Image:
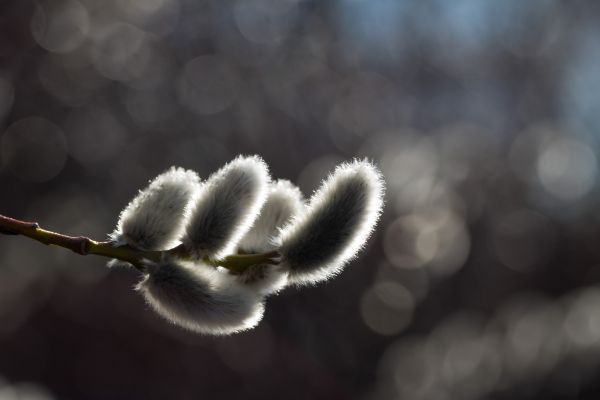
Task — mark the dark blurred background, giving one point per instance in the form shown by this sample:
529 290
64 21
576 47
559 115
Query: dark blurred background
481 281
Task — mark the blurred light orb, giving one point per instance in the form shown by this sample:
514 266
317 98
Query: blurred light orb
394 295
7 392
416 195
387 307
525 149
121 52
582 324
23 391
416 280
435 239
534 341
265 21
462 360
32 391
208 85
34 149
399 243
415 369
567 168
410 158
60 26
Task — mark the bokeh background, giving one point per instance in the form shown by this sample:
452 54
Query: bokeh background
481 281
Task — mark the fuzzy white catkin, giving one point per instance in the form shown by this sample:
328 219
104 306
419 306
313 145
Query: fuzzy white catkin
227 206
156 217
200 298
336 224
284 202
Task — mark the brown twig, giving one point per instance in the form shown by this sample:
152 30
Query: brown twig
83 245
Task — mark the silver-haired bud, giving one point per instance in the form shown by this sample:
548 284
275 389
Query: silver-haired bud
156 217
284 202
200 298
227 206
339 219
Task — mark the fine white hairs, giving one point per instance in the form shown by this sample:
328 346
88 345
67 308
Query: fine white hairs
336 225
156 217
200 298
283 203
228 204
237 215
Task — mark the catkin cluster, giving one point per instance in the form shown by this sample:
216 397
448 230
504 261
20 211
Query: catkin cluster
240 210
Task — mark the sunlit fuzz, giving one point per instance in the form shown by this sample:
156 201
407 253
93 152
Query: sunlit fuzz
156 217
265 279
336 224
284 202
227 206
200 298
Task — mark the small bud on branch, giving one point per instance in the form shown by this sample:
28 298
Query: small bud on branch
336 225
200 298
156 217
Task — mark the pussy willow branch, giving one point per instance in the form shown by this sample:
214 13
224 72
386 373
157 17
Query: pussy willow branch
84 246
